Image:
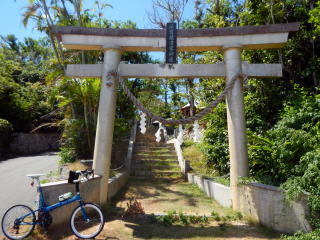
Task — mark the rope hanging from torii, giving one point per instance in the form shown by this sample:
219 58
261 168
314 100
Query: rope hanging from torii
193 119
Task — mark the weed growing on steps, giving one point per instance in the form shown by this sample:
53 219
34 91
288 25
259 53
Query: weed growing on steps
303 236
223 220
172 217
179 218
227 218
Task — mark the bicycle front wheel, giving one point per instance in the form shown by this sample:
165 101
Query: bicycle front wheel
18 222
87 221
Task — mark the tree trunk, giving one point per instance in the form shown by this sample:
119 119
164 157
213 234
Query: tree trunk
191 97
65 9
314 74
50 23
85 112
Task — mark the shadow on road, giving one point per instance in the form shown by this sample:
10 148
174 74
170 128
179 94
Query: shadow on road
13 156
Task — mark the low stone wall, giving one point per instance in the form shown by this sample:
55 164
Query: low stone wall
267 205
29 143
216 191
90 192
116 183
260 203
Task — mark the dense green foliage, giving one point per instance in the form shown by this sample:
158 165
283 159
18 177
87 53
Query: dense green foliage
24 97
284 146
5 131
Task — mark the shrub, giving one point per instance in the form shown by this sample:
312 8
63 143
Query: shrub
5 131
215 141
24 104
303 236
308 179
67 155
198 161
193 154
5 126
187 143
278 152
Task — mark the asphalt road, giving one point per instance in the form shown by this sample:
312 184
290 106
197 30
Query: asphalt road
15 186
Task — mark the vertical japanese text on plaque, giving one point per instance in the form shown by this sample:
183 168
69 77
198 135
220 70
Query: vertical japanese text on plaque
171 43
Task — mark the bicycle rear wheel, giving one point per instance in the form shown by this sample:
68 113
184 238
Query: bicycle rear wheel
18 222
91 227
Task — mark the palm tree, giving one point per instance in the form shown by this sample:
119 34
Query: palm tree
40 12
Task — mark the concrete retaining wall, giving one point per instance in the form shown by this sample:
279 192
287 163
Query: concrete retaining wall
90 192
267 205
116 183
216 191
260 203
29 143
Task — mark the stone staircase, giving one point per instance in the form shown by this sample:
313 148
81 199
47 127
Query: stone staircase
154 160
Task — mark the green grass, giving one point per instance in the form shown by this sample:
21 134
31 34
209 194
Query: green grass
52 176
193 154
183 206
222 180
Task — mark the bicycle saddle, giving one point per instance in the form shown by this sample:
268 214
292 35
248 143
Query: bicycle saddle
35 175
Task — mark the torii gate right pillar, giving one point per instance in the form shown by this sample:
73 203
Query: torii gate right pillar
236 123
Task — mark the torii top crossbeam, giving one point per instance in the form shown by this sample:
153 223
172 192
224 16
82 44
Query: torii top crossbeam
249 37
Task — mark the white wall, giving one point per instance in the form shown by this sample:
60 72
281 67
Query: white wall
261 203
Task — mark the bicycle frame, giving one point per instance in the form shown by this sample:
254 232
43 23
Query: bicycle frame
44 208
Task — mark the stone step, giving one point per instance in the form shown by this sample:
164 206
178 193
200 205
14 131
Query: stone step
151 144
146 139
155 158
156 161
156 174
154 148
151 162
157 178
156 170
155 153
155 167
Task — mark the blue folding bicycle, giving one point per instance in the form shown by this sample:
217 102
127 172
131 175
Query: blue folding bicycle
86 220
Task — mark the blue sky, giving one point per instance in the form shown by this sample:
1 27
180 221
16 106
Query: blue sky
135 10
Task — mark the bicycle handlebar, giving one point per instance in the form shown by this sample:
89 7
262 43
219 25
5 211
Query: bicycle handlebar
80 176
85 174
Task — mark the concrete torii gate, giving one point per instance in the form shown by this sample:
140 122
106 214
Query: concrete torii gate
228 40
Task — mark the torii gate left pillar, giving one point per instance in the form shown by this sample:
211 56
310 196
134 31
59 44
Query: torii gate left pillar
105 122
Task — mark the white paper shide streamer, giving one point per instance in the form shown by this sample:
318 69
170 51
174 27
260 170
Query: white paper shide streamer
143 119
180 135
158 133
196 132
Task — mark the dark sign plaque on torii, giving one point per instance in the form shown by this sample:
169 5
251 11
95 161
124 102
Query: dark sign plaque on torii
171 43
